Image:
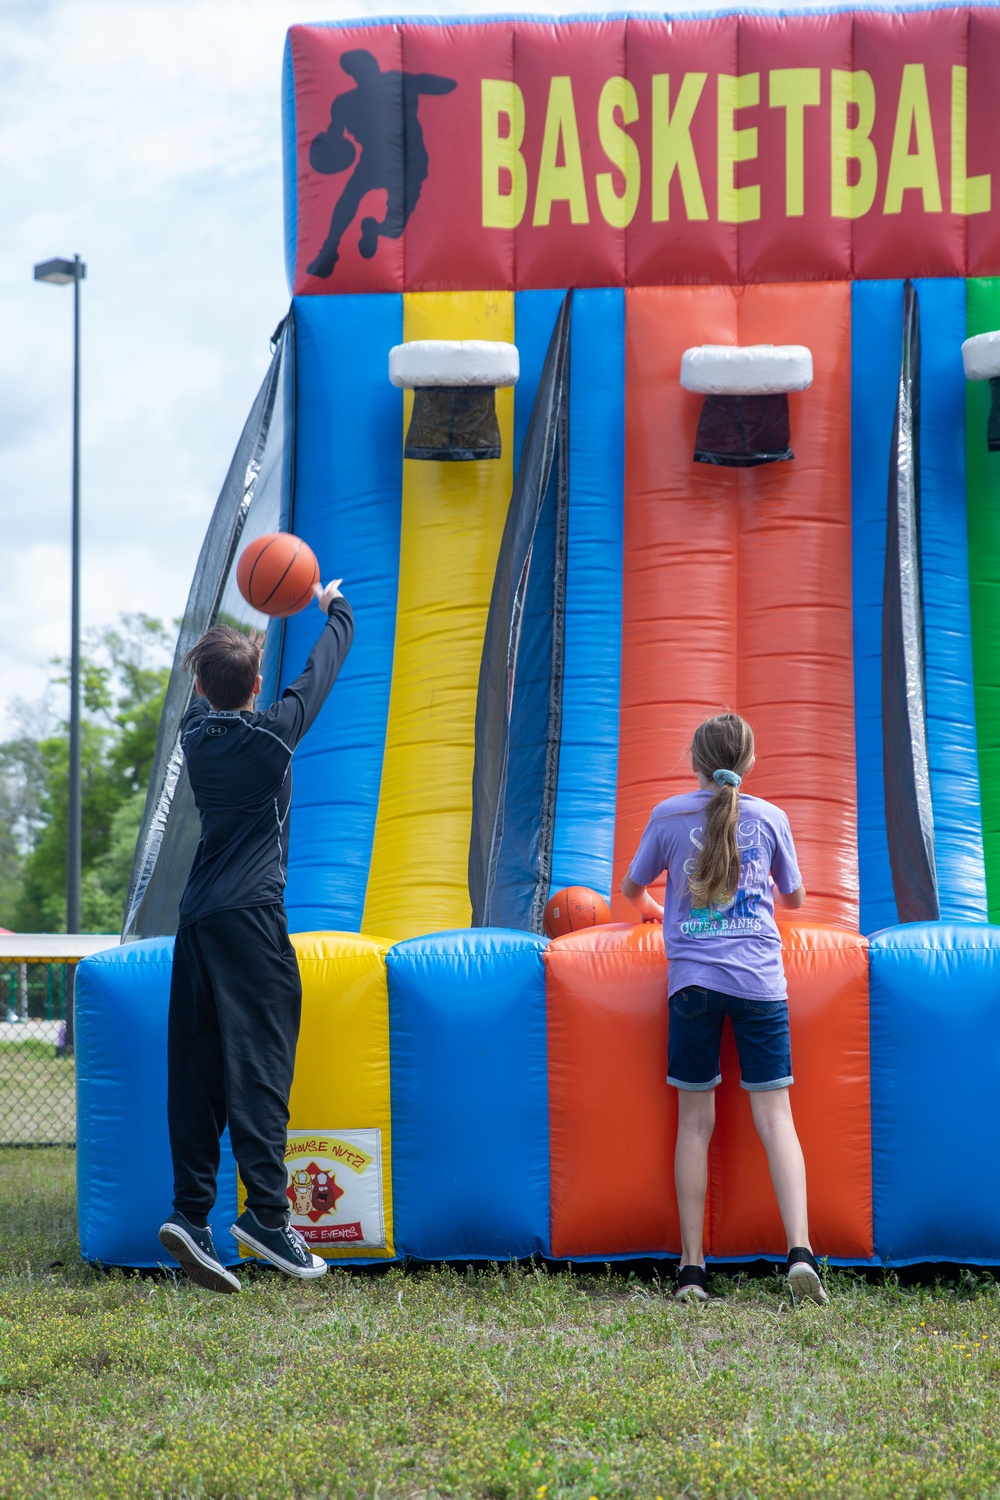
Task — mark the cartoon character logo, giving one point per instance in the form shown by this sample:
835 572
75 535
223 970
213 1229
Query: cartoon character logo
302 1192
313 1192
322 1193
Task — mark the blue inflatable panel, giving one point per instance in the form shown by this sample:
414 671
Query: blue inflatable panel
345 409
935 1089
470 1119
876 346
535 316
290 161
583 843
951 710
124 1174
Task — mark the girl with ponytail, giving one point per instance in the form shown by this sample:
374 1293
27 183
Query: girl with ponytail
726 855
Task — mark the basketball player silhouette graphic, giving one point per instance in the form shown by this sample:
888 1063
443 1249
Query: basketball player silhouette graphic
381 114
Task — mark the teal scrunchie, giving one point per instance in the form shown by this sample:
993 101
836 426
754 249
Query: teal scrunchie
727 778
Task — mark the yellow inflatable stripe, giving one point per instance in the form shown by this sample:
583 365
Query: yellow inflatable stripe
340 1107
452 520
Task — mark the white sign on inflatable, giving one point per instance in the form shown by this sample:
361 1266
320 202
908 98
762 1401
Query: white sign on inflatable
335 1187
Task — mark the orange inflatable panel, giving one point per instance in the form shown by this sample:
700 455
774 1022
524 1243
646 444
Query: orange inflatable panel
736 588
827 973
613 1117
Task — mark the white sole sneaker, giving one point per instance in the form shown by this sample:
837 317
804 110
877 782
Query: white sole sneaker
805 1285
200 1268
692 1284
691 1294
256 1247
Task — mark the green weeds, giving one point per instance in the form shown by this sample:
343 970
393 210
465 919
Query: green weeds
504 1384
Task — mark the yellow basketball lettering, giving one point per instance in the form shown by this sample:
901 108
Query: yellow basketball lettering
503 205
852 143
736 205
618 97
561 183
969 195
673 148
794 90
917 169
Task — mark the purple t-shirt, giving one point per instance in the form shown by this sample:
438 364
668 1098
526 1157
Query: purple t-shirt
736 948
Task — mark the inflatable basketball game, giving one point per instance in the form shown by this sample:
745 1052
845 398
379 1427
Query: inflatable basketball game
623 381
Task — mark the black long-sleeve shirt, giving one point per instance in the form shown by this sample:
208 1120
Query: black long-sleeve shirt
240 768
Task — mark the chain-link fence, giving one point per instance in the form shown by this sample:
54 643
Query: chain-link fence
37 1077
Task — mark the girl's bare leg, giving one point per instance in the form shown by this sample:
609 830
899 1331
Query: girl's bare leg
695 1123
772 1115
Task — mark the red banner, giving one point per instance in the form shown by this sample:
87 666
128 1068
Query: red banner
516 154
330 1234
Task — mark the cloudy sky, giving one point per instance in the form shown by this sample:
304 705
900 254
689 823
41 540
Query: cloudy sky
145 135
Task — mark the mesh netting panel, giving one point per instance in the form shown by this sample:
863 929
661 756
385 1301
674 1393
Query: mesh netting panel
254 499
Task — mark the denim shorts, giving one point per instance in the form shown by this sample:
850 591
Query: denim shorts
695 1037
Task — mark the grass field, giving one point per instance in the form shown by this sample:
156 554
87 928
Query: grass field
499 1383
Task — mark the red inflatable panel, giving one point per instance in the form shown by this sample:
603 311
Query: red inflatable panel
445 243
613 1117
793 145
910 230
561 71
676 234
646 151
319 78
983 143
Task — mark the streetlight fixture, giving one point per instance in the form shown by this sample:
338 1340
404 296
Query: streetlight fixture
61 273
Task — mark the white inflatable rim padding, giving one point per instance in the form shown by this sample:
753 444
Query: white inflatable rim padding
981 356
430 362
750 370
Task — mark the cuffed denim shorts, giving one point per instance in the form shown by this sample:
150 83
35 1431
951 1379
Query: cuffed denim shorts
695 1038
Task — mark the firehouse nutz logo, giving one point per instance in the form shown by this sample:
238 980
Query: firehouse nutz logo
335 1187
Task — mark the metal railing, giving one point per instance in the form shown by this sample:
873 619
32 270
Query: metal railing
37 1066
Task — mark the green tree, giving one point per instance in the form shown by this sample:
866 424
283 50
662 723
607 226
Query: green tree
124 676
22 790
10 866
105 884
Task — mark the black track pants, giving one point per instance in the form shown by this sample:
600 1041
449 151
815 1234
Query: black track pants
235 1006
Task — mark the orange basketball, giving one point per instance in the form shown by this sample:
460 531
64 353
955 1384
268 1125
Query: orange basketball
575 907
276 574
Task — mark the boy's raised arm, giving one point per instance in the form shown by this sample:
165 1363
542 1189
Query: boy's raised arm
296 710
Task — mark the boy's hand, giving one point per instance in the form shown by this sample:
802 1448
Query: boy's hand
326 596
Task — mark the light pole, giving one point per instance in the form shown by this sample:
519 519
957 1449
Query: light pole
60 273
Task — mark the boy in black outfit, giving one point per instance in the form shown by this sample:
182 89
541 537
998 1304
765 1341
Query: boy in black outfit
235 993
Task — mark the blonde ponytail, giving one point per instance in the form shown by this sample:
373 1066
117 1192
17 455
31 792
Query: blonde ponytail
722 744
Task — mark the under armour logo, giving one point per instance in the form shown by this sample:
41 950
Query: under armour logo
214 729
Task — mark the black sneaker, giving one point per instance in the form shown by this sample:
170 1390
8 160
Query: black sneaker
194 1251
692 1284
284 1247
803 1276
